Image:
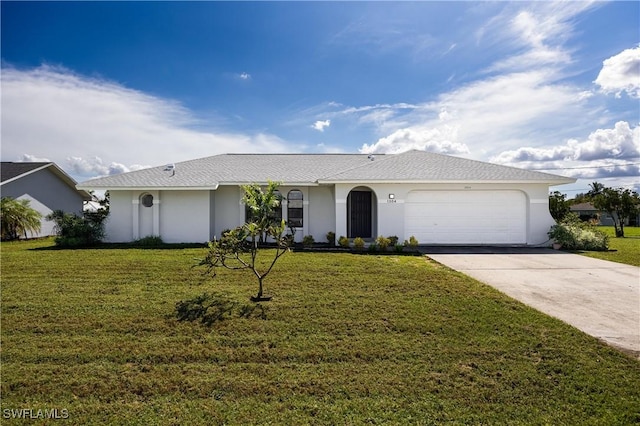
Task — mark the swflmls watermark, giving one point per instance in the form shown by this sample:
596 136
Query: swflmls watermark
35 413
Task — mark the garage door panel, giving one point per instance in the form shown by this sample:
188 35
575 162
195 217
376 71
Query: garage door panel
466 217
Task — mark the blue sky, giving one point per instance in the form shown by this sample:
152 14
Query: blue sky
102 88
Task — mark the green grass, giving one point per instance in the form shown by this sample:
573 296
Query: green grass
348 339
622 250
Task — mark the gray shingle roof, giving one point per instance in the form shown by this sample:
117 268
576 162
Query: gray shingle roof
583 207
421 166
210 172
311 169
10 170
14 171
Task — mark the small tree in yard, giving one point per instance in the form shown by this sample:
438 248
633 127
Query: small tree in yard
239 248
558 206
619 203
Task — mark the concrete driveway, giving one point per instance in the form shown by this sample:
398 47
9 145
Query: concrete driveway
598 297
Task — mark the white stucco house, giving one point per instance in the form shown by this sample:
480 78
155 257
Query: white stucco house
439 199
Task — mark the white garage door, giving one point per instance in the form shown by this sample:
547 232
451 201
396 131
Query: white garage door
466 217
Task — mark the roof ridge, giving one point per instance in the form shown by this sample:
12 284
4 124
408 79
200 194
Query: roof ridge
370 156
291 153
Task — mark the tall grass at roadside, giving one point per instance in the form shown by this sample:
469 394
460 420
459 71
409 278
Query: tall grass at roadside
347 339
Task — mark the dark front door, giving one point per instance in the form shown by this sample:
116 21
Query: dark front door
360 214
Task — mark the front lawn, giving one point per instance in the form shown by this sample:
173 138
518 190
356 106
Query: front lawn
347 339
622 250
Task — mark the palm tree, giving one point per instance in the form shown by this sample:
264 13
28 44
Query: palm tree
596 189
17 218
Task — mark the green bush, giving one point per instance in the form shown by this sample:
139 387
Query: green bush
393 240
383 242
573 234
308 240
331 238
150 241
373 248
412 243
343 242
77 231
358 243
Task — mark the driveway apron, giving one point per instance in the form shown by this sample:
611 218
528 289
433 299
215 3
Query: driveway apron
598 297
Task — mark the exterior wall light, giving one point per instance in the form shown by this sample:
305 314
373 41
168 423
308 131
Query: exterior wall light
392 196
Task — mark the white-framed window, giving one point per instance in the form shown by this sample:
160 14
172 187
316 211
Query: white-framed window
295 208
146 200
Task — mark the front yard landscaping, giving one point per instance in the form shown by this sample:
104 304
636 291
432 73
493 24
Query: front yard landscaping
622 250
347 339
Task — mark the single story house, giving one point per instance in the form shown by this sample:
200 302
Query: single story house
437 198
587 212
46 186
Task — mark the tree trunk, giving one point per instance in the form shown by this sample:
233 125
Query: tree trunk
617 224
259 297
259 288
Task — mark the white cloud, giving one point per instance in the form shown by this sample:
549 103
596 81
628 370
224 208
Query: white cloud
534 32
487 113
95 127
33 159
621 73
621 142
521 99
96 167
321 125
244 76
604 153
441 140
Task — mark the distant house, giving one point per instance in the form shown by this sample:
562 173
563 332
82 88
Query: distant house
588 212
46 186
437 198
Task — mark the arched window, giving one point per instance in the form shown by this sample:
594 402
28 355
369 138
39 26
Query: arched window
294 208
146 200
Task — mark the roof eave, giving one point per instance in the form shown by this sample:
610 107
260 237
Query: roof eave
281 183
58 172
148 188
433 181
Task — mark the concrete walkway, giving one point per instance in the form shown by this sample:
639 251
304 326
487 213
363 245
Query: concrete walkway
598 297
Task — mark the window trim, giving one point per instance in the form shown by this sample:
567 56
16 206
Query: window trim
298 211
143 200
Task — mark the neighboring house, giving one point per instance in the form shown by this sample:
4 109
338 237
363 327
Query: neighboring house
46 186
587 212
437 198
